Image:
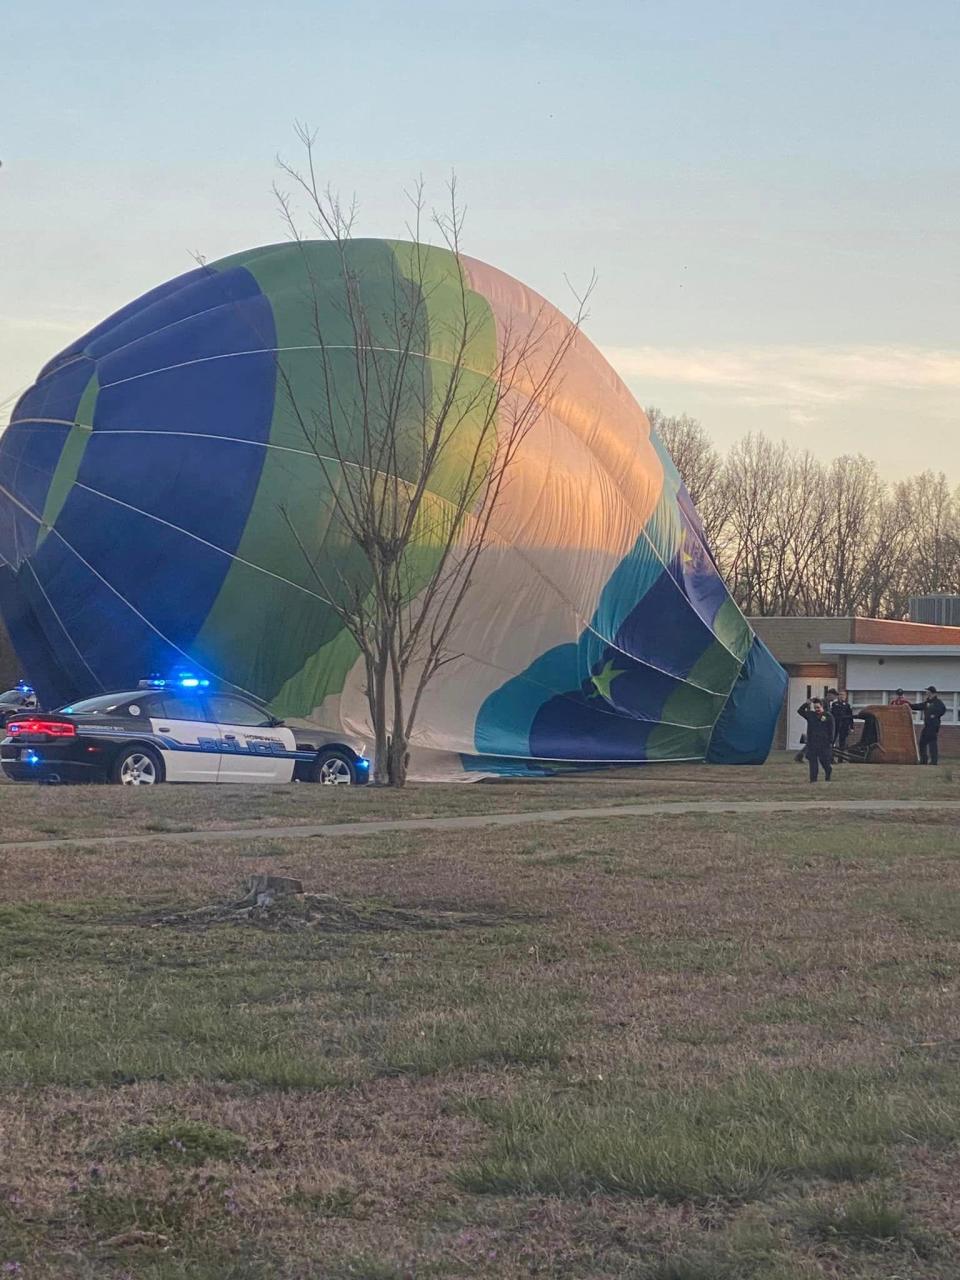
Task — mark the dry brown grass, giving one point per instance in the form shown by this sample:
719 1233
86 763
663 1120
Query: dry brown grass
629 973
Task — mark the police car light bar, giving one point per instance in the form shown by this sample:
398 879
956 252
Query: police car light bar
176 682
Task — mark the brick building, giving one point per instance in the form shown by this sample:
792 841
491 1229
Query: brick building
869 657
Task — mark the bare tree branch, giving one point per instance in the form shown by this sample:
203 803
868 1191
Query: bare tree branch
413 434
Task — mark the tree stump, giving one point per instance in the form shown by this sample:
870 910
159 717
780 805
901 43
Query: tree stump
261 889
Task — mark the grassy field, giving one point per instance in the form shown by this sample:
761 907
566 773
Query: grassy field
32 812
676 1048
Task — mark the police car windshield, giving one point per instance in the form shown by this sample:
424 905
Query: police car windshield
12 698
106 703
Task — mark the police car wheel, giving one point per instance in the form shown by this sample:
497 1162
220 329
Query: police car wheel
137 767
333 769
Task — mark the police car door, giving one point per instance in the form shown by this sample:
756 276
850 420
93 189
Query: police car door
185 734
252 748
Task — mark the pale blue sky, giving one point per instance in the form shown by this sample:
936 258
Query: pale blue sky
769 191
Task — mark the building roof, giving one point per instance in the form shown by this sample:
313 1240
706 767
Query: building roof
883 631
786 632
895 650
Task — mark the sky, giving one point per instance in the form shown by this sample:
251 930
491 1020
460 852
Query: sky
768 191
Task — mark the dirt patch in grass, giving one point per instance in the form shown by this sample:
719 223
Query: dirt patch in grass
323 912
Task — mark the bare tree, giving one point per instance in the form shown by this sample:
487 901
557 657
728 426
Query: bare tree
414 453
755 468
862 542
933 533
793 535
693 452
703 471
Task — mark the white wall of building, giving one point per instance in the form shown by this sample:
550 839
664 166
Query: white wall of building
873 679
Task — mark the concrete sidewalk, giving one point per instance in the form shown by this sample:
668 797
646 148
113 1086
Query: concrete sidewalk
341 830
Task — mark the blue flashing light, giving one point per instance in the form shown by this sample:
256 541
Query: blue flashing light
363 763
24 688
30 757
187 680
181 680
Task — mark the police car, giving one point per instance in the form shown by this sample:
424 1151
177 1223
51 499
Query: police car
172 730
13 701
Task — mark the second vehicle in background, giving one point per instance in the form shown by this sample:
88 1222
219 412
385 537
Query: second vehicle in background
15 701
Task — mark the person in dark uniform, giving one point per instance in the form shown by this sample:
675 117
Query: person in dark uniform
933 712
819 749
842 713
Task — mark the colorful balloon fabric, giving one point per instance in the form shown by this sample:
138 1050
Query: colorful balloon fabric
150 478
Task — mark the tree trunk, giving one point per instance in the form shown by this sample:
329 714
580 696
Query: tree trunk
398 755
398 758
377 702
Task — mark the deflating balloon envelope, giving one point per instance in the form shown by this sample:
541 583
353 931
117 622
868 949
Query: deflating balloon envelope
151 479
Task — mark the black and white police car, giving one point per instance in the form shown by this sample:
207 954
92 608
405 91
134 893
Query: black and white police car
172 730
14 701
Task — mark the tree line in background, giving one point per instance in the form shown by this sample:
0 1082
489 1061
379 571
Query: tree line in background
796 536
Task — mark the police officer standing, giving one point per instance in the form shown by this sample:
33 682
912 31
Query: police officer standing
933 712
842 713
819 749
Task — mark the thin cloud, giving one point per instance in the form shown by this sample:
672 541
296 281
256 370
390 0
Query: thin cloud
802 378
27 324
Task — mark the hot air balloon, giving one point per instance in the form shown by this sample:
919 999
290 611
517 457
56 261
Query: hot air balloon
150 478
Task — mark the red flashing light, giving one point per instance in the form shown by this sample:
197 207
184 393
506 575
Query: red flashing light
52 728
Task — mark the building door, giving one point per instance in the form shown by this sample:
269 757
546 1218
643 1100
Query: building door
800 688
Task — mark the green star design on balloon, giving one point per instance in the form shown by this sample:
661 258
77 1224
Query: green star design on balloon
602 680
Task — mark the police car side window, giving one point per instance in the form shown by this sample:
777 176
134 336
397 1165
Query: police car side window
231 710
140 708
176 707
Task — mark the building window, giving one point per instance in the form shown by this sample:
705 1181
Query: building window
860 698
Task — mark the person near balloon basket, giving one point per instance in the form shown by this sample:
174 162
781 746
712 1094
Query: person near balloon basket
842 713
819 735
933 710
